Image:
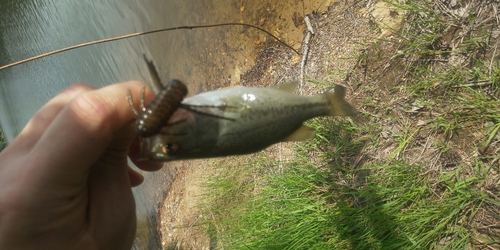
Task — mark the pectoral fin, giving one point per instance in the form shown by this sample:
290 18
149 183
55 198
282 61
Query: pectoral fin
301 134
286 87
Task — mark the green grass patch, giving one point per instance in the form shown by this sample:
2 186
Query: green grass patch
336 206
419 173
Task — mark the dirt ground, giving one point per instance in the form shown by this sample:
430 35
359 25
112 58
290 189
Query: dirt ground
344 32
341 30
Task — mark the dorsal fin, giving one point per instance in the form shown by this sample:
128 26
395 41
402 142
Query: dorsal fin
286 87
155 78
301 134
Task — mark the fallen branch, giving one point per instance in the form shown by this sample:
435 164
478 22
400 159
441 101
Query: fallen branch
310 32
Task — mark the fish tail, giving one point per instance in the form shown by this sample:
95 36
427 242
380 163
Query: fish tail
338 105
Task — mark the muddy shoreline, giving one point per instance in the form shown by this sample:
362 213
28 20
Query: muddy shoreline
340 31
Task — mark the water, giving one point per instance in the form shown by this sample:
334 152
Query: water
203 58
33 27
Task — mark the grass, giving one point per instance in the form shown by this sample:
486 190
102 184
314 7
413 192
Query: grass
420 173
381 206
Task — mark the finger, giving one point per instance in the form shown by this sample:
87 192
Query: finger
148 165
135 177
134 153
35 127
84 129
110 210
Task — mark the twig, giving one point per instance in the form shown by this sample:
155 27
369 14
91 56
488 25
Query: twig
496 13
310 32
485 244
145 33
425 147
474 84
493 57
493 195
308 25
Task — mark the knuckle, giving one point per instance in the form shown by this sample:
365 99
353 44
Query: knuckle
79 86
90 111
76 88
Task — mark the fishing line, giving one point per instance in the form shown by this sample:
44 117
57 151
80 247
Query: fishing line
145 33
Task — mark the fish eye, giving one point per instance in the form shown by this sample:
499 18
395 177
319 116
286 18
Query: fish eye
170 148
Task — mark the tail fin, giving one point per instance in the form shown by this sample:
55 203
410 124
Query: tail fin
338 105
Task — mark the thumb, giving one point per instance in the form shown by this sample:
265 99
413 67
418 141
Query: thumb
82 132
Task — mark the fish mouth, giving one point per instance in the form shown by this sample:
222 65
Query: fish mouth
150 148
145 149
159 147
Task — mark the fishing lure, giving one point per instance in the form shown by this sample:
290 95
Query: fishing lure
155 116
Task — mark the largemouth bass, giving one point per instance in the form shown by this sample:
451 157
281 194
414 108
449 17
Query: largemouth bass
241 120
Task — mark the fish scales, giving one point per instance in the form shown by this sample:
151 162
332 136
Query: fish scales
240 120
257 120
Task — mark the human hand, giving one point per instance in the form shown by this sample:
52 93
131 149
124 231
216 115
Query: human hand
64 180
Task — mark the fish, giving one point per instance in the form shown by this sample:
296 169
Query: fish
241 120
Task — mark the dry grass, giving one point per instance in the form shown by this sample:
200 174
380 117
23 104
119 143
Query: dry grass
417 169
